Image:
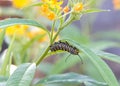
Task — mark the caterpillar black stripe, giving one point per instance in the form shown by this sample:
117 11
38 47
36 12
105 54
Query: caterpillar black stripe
64 46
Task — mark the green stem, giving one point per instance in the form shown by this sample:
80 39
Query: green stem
47 49
43 55
68 21
71 18
52 30
56 36
7 57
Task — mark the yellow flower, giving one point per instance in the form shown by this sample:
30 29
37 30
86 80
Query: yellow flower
49 8
55 4
116 4
21 3
51 16
19 29
78 7
44 9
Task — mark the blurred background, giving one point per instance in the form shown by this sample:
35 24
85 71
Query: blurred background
97 30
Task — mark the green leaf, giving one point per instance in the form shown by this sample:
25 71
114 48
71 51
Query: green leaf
7 58
93 10
3 80
108 56
2 34
14 21
101 66
61 65
45 67
69 78
23 75
102 45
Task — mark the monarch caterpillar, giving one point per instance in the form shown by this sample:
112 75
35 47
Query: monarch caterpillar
65 46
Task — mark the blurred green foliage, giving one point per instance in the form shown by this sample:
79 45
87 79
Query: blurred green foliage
91 51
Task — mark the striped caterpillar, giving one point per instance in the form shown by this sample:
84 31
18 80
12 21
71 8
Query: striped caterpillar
64 46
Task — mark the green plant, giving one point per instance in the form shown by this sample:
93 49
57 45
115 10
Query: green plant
24 74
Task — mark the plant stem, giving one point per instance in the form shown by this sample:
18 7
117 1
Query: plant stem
68 21
52 30
7 57
43 55
47 49
71 18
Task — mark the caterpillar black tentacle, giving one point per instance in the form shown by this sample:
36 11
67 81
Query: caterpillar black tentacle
65 46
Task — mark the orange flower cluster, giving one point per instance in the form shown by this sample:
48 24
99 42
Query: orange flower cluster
44 11
49 8
78 7
116 4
